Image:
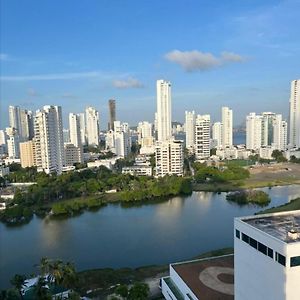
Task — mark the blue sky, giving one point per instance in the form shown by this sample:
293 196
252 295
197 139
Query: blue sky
241 53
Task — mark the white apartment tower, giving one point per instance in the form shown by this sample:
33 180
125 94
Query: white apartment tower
122 139
226 127
217 134
202 137
13 143
164 110
49 144
14 118
75 134
267 257
169 158
82 128
92 126
294 136
279 133
253 131
190 129
267 128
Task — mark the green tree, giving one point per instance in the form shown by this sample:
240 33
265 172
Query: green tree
122 290
138 291
40 290
18 281
278 156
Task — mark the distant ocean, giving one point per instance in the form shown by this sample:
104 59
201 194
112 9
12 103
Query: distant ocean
239 138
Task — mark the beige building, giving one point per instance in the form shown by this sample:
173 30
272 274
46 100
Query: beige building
27 154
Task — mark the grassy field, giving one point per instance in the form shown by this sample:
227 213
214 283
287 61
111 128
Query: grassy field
292 205
103 281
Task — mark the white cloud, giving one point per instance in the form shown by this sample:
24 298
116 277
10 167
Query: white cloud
196 60
55 76
127 83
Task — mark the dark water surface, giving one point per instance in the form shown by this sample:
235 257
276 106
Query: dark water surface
118 236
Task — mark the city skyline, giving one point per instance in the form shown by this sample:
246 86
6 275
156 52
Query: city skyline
211 63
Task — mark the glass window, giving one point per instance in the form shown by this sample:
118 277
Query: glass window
270 252
280 258
262 248
237 234
253 243
245 238
295 261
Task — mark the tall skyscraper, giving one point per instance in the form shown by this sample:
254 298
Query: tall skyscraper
164 110
75 134
122 139
92 126
13 143
190 129
279 133
112 113
217 134
253 131
82 128
267 128
49 144
226 127
14 115
202 136
294 136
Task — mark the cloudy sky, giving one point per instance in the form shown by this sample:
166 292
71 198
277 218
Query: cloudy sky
239 53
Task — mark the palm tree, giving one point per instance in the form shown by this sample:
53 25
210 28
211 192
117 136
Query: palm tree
18 281
41 291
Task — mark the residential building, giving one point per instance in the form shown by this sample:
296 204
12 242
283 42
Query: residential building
253 131
145 137
189 127
82 128
75 134
122 139
294 126
49 145
112 113
14 116
280 132
202 137
267 256
138 170
13 143
217 135
227 121
164 110
3 145
73 154
169 158
92 126
27 154
267 134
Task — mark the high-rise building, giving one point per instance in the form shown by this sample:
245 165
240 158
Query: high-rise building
112 113
82 128
122 139
294 136
169 158
279 133
227 121
75 134
73 154
92 126
145 137
217 135
49 144
267 128
267 257
202 136
27 154
190 130
14 118
13 143
164 110
253 131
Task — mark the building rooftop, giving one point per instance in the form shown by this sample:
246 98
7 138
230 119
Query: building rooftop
210 278
283 226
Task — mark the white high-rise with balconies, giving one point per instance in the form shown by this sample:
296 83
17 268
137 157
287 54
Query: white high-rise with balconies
13 143
82 128
164 110
202 137
227 121
75 134
190 130
92 126
49 142
253 131
294 136
217 134
279 133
